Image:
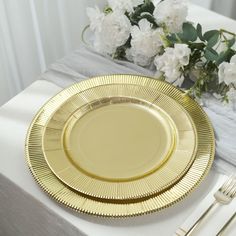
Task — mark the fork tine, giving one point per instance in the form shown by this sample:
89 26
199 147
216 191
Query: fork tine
231 189
228 184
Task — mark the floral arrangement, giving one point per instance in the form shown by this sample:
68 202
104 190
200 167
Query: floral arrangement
155 34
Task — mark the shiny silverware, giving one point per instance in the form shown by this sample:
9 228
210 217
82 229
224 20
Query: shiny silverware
226 225
223 196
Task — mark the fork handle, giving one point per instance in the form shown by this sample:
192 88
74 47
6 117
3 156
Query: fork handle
200 219
222 230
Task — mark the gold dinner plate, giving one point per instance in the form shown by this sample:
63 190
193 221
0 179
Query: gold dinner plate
112 144
119 141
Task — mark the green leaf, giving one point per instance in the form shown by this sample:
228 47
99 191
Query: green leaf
189 32
148 6
121 50
199 32
224 56
210 34
199 46
213 40
210 54
172 38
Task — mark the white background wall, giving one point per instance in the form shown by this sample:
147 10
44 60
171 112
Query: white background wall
203 3
35 33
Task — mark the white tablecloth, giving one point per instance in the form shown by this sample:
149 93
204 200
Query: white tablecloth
25 209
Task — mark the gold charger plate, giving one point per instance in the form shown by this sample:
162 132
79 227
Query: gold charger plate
201 143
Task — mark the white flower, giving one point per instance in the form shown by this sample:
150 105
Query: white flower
179 81
114 31
182 52
168 65
171 63
95 17
145 43
232 95
172 13
227 72
124 5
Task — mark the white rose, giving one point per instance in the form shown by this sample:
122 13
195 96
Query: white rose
173 75
221 72
171 62
124 5
160 61
145 43
179 81
233 59
227 72
115 31
167 64
182 52
95 17
172 13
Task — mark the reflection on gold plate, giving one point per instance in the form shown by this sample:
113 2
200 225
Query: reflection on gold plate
120 145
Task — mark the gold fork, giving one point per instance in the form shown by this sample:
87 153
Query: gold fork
223 196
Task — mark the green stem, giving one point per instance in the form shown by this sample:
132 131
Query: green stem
179 40
219 43
166 44
227 32
225 39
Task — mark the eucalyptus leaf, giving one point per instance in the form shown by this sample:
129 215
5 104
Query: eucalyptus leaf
209 34
189 32
210 54
172 38
199 32
213 40
224 56
199 46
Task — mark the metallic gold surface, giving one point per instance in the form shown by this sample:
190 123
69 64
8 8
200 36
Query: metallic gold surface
67 122
121 144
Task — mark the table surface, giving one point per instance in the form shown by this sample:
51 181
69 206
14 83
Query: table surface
27 210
